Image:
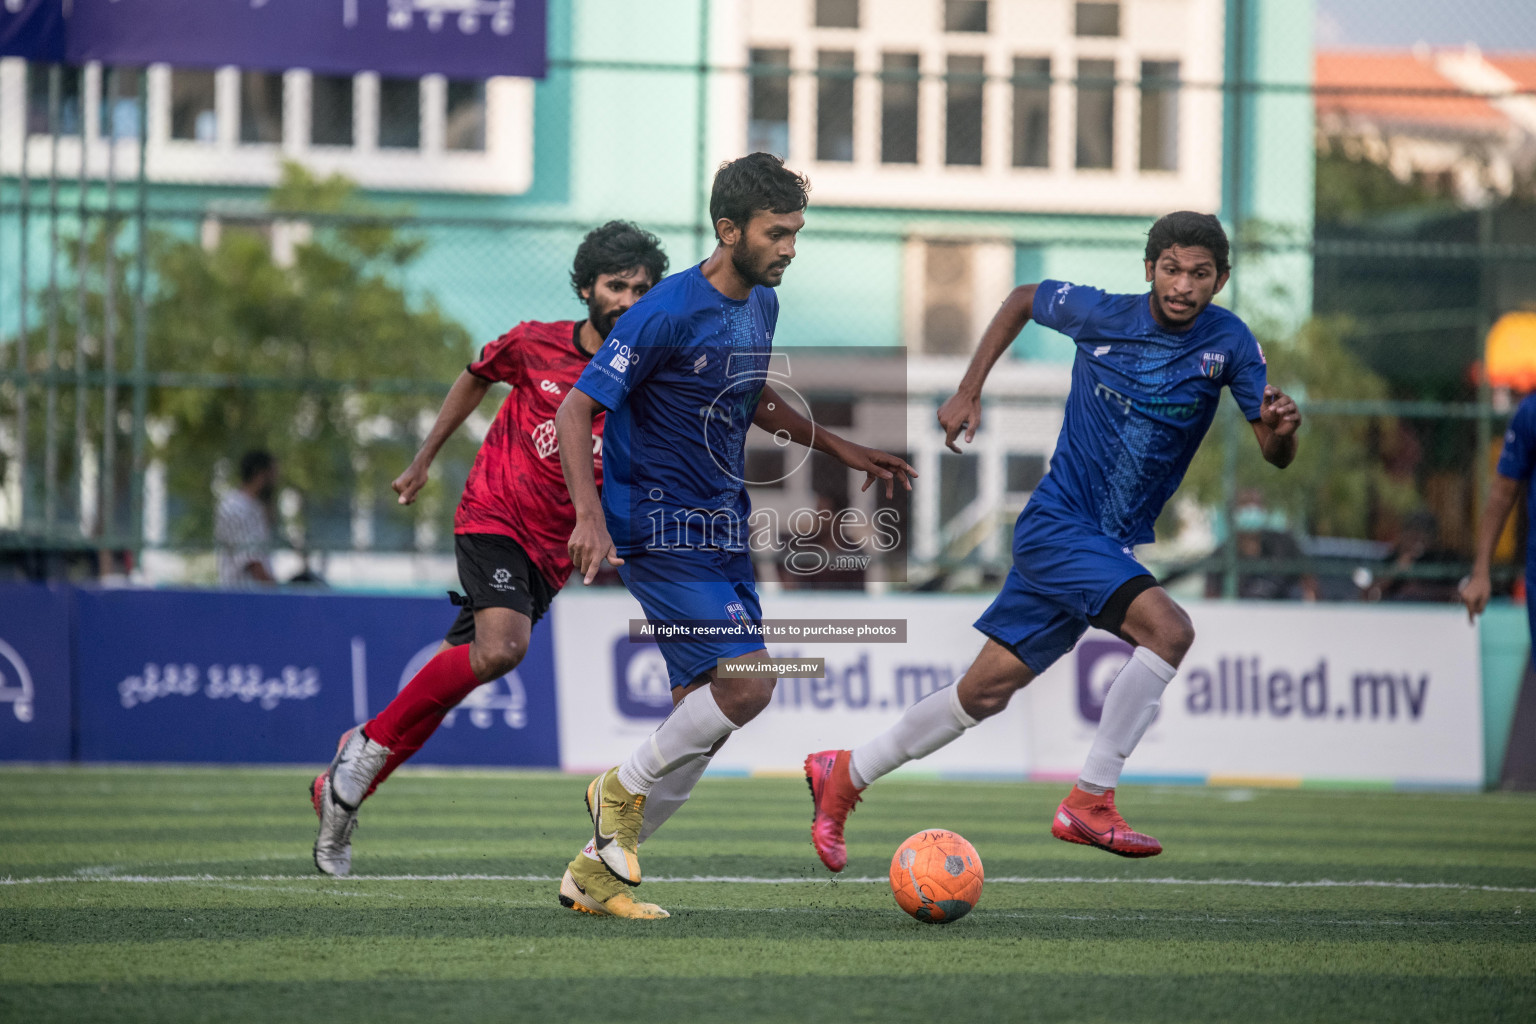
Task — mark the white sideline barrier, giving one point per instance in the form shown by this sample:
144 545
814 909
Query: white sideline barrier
1271 692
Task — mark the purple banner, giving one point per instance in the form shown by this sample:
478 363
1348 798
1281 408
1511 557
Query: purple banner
36 702
409 38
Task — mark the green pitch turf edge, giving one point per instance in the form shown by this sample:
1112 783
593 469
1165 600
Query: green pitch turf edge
189 895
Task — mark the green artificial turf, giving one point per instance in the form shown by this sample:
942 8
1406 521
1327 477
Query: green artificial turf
161 895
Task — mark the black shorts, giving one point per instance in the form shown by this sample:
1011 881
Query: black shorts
495 572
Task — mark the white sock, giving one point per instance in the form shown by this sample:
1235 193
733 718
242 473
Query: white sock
692 728
671 793
923 728
1129 708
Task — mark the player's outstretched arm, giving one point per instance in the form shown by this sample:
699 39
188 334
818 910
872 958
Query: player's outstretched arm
1478 587
1276 427
463 398
963 410
590 542
775 416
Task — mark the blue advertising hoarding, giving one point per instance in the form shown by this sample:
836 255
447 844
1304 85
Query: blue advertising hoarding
35 664
272 677
459 38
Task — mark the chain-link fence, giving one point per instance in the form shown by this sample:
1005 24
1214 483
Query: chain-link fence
165 308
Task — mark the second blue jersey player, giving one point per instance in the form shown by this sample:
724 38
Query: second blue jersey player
1145 385
683 376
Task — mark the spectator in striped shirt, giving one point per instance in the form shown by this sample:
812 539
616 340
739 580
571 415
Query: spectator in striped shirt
242 526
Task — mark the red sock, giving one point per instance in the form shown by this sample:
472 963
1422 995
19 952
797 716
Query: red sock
431 694
401 750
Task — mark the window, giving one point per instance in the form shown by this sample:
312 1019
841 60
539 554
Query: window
1098 20
947 291
261 106
962 111
1031 111
959 484
834 105
898 108
1023 473
1095 114
950 290
39 77
1159 115
965 15
466 116
119 107
837 13
399 113
768 102
330 110
193 117
766 468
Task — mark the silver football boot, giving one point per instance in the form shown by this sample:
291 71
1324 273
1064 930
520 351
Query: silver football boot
336 795
333 846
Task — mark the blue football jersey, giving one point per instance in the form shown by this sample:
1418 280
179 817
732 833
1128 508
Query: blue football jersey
680 375
1518 462
1141 401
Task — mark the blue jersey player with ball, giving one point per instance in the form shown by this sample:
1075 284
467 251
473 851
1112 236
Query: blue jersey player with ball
1145 385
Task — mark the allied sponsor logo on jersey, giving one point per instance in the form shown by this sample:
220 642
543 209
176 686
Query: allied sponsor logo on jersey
620 363
1212 364
545 441
737 613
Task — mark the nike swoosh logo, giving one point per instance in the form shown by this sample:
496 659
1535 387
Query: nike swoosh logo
598 839
1071 822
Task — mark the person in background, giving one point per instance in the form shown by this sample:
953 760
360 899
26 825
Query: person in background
1417 547
242 525
1516 474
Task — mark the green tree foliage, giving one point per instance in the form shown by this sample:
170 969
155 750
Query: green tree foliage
1339 480
335 312
297 313
1351 189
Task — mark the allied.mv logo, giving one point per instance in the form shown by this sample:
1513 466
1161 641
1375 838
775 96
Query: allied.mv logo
1098 662
505 697
641 685
15 683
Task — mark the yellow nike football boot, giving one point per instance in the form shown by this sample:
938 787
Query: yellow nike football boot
590 888
616 818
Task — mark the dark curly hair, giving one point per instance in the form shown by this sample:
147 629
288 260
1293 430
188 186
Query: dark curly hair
1188 228
616 248
759 181
254 462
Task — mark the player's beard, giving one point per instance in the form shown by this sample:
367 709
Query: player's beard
602 320
756 271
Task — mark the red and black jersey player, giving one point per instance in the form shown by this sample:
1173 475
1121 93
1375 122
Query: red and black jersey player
511 527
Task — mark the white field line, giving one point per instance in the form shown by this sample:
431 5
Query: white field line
1254 883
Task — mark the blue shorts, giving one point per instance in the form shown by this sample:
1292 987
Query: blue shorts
701 588
1063 574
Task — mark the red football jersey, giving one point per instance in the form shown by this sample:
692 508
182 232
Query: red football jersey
516 487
